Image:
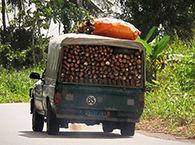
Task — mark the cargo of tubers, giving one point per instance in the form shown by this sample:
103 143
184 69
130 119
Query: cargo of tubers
103 65
86 27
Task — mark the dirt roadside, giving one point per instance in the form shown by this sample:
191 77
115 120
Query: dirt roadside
161 129
166 136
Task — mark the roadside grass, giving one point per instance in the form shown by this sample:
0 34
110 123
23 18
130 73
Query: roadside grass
170 104
14 85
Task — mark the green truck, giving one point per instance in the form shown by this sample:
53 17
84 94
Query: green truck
90 79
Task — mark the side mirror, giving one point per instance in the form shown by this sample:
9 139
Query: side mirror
35 75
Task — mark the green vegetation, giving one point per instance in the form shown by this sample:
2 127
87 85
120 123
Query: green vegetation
170 16
171 101
14 85
154 51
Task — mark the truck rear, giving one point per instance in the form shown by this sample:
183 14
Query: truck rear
99 80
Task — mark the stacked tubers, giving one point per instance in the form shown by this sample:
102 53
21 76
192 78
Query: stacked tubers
86 27
101 65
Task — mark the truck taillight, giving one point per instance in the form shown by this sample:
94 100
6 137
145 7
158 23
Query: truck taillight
57 98
141 101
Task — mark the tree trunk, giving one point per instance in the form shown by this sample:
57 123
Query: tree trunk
3 15
33 50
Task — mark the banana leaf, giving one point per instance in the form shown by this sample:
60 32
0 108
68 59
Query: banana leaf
150 33
160 46
146 45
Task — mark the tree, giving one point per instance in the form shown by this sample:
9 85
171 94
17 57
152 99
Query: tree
24 41
24 46
20 6
173 16
18 3
71 12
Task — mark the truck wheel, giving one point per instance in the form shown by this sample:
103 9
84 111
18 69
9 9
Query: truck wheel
52 122
37 121
107 128
128 129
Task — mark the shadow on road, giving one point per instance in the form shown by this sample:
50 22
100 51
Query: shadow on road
95 135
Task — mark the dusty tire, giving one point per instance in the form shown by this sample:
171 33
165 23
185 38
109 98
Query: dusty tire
107 128
128 129
52 122
37 121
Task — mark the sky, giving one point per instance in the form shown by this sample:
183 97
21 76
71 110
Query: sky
53 30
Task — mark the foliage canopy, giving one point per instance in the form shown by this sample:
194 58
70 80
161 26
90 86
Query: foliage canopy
172 17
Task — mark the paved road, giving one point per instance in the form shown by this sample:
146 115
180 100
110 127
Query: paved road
15 129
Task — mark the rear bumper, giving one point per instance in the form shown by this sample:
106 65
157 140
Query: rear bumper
98 116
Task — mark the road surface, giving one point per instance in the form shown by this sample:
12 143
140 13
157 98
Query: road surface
15 129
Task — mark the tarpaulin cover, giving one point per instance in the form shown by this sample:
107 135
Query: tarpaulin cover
115 28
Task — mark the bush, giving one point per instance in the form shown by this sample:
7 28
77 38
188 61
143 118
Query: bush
20 49
172 99
14 85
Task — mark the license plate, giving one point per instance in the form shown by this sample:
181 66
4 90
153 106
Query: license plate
95 113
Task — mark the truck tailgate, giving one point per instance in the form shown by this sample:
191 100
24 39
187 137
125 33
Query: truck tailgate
100 97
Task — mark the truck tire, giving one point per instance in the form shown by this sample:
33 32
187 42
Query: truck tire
37 121
128 129
52 122
107 128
